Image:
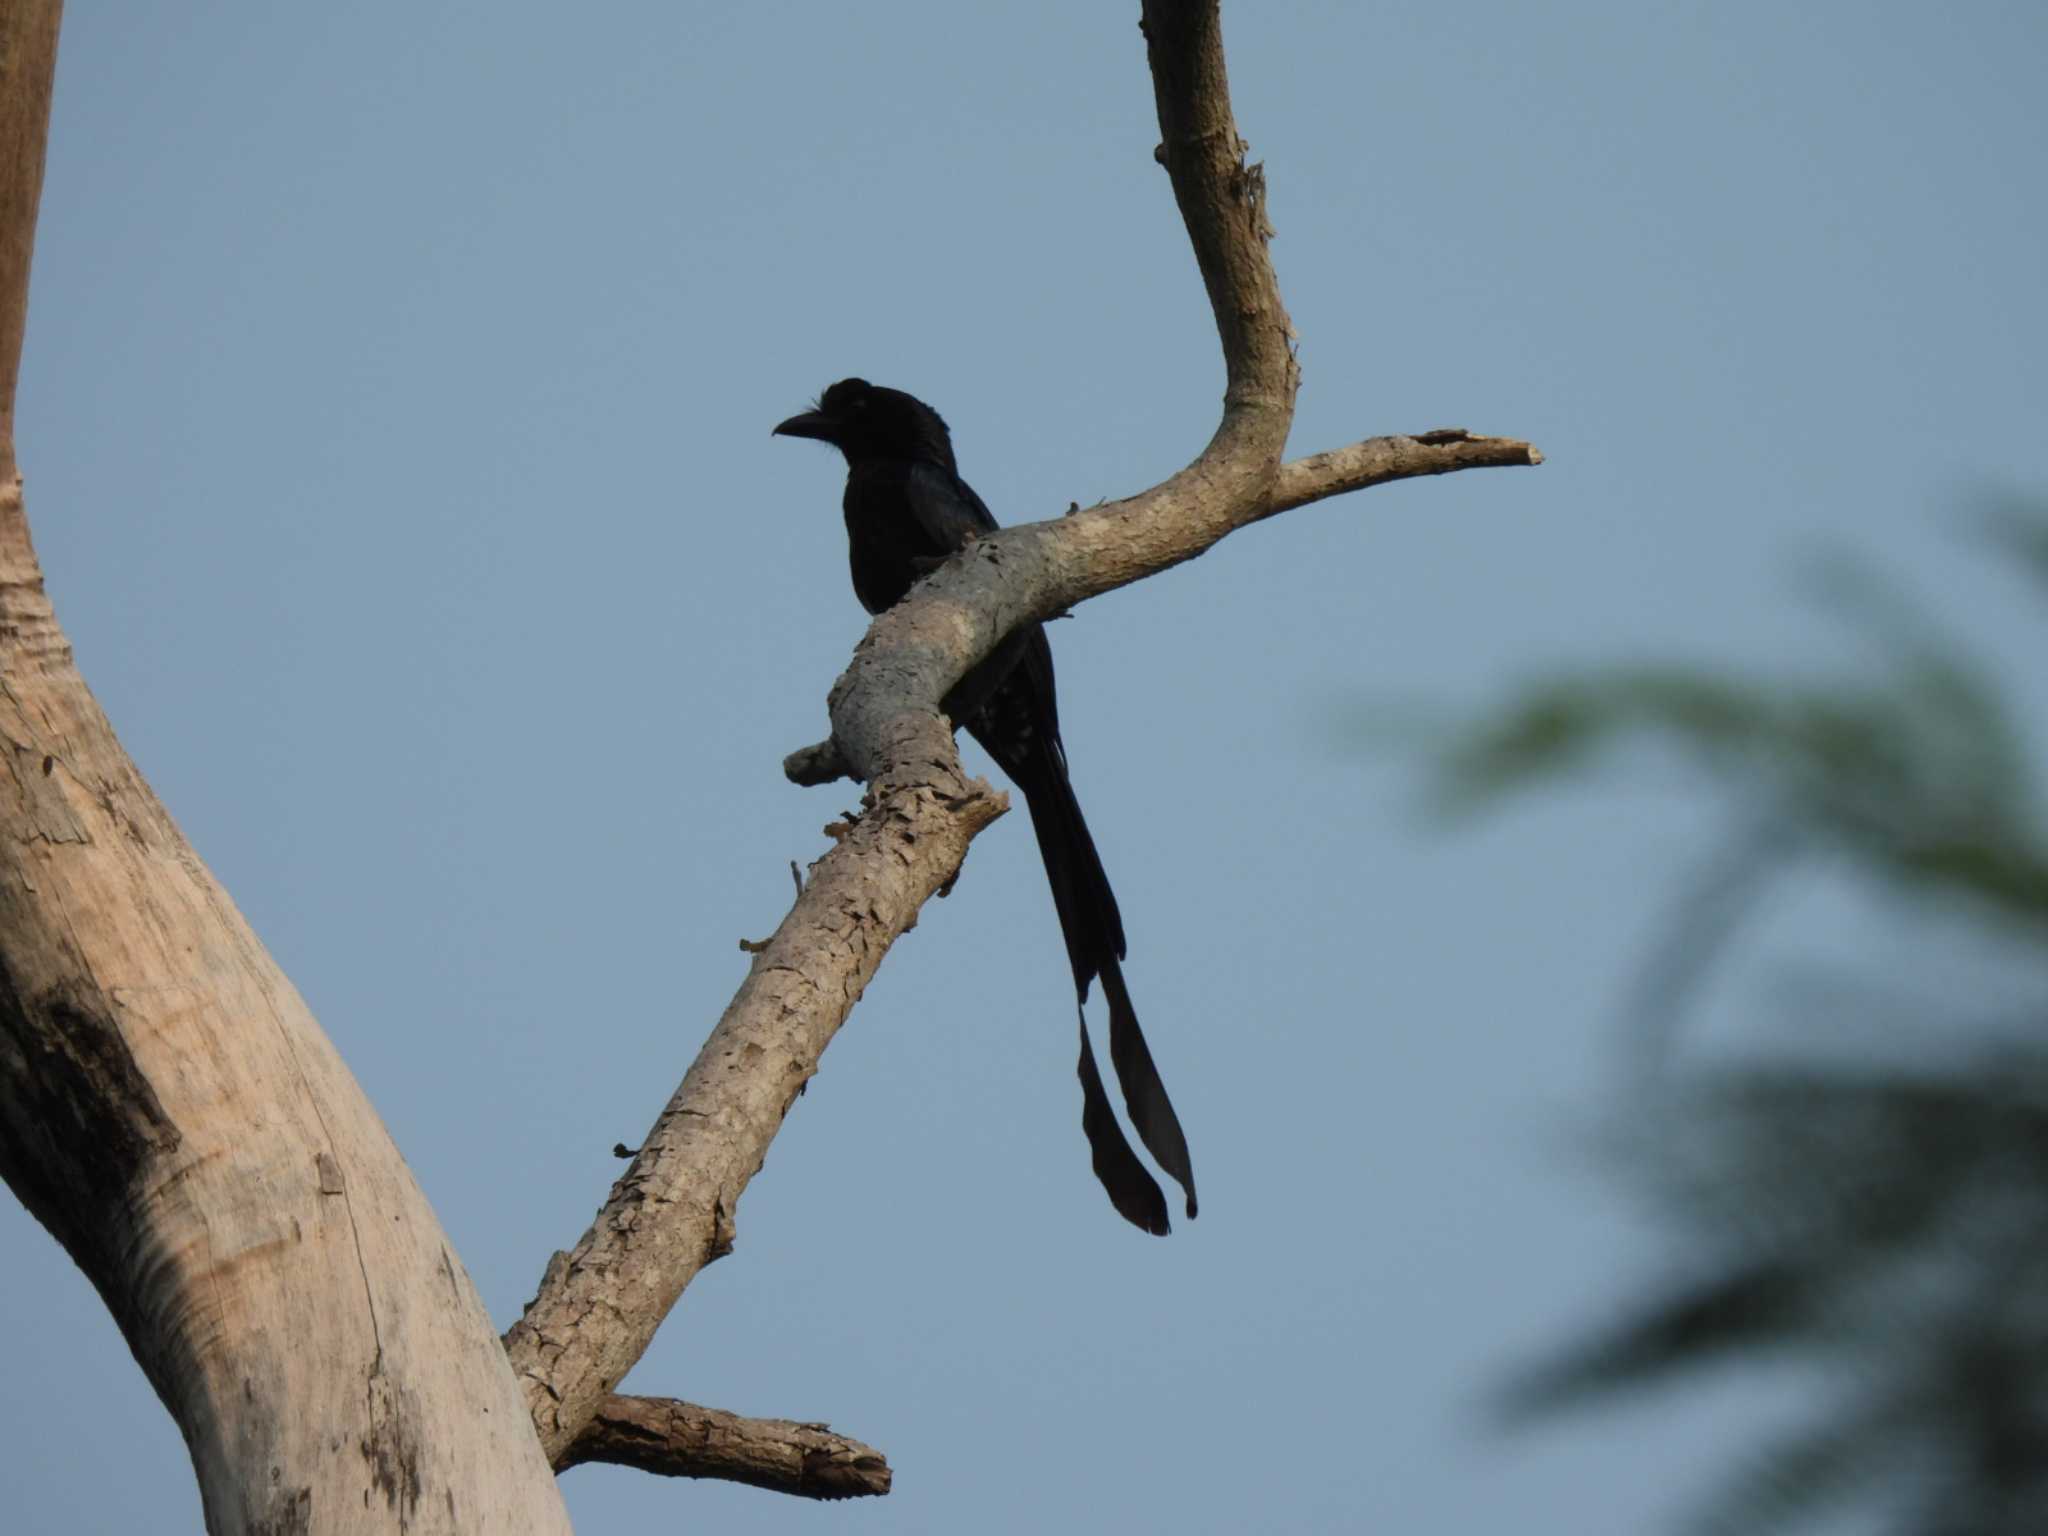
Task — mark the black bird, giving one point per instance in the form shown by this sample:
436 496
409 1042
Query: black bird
907 509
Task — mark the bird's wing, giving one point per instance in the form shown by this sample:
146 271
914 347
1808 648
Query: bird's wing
944 507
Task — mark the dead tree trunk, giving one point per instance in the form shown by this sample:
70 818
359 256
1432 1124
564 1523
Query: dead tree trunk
172 1113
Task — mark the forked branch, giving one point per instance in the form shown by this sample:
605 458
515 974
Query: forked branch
672 1212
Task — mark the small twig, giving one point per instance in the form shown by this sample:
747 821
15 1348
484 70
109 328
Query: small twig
819 763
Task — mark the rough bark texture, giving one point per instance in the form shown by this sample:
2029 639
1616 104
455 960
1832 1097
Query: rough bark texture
172 1113
673 1211
682 1440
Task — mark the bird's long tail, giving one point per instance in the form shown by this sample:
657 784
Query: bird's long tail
1093 929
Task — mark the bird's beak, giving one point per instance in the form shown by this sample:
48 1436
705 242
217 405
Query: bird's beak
811 424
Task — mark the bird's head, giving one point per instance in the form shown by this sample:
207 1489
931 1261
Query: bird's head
865 421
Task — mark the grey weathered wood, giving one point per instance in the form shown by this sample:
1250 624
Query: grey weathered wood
171 1111
673 1211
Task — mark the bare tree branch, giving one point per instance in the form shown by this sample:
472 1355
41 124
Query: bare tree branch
677 1439
1300 482
1380 459
672 1212
28 66
141 1023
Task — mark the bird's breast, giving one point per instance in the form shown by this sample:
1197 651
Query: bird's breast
882 538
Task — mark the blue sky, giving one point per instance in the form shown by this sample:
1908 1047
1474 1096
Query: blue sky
395 415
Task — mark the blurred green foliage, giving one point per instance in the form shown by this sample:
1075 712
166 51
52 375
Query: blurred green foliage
1889 1222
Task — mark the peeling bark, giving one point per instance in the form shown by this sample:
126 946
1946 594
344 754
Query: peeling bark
672 1212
